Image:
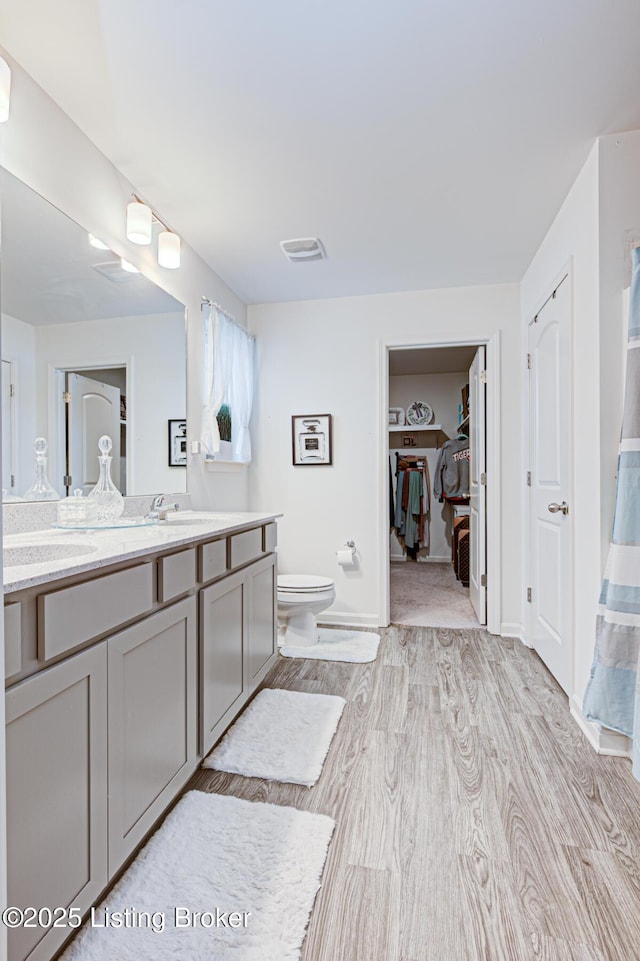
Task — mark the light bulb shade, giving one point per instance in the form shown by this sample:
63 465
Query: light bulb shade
130 268
5 90
139 223
169 249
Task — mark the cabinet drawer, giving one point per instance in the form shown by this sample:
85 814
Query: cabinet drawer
12 640
270 538
176 574
213 560
75 615
245 547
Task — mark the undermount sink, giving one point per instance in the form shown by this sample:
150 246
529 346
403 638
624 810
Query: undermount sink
177 520
43 553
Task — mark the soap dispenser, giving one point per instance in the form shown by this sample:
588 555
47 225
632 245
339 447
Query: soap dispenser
107 496
41 489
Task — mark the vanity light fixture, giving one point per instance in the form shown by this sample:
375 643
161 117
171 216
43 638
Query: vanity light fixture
140 221
168 249
97 243
5 90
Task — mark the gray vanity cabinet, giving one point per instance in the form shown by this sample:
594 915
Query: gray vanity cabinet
262 630
99 743
56 743
237 642
152 672
223 629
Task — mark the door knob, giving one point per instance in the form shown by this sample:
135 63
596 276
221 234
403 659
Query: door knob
559 508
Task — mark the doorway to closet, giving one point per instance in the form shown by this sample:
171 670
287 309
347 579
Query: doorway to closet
437 446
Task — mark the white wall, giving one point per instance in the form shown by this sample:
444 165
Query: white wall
45 149
153 347
324 357
443 393
573 239
19 346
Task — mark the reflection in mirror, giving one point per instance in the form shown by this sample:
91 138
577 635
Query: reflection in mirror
88 348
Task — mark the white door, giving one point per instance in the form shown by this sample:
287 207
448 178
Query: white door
8 472
478 486
93 410
549 512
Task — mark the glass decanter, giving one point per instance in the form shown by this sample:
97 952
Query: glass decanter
41 489
107 496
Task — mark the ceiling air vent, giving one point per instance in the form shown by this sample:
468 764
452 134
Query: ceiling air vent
306 249
113 270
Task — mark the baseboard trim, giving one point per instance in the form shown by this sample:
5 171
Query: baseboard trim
601 739
513 630
402 558
343 619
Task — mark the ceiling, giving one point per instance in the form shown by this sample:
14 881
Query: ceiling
427 144
430 360
47 267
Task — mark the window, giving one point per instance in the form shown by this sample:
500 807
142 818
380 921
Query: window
227 389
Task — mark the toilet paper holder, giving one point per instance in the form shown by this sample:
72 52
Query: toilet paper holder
347 553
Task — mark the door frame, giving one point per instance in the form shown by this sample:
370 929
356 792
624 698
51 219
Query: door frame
494 460
14 417
566 275
56 373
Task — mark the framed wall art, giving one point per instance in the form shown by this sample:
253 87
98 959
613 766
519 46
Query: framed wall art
311 440
177 443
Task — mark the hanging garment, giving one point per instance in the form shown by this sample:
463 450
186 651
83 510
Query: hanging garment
392 506
612 697
425 532
414 509
452 469
400 513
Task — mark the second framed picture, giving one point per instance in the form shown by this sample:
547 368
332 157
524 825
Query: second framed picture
177 443
311 440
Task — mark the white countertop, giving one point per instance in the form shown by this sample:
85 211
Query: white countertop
105 547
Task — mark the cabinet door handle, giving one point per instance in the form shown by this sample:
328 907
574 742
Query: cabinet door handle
559 508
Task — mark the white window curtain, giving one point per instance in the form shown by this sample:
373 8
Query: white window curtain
241 394
228 378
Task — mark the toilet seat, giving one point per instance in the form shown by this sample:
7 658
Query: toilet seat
303 583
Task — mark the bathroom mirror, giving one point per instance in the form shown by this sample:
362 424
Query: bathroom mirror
87 348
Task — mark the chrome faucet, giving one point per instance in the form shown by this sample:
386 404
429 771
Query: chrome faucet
159 510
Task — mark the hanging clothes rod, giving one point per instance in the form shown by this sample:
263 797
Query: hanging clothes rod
551 296
414 462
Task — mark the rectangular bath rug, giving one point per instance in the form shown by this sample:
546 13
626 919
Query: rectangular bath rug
222 879
356 647
281 736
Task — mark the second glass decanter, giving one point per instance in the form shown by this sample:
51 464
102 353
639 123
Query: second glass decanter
105 493
41 489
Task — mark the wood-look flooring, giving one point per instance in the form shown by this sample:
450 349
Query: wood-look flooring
473 820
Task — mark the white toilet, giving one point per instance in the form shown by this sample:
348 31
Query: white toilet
300 598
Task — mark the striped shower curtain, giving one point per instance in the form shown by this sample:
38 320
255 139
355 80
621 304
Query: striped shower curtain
612 697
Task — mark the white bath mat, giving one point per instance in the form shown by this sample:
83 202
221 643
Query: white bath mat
356 647
214 854
281 736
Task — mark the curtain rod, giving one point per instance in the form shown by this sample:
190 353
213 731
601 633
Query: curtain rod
212 303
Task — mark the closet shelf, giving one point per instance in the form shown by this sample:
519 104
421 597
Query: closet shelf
411 428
